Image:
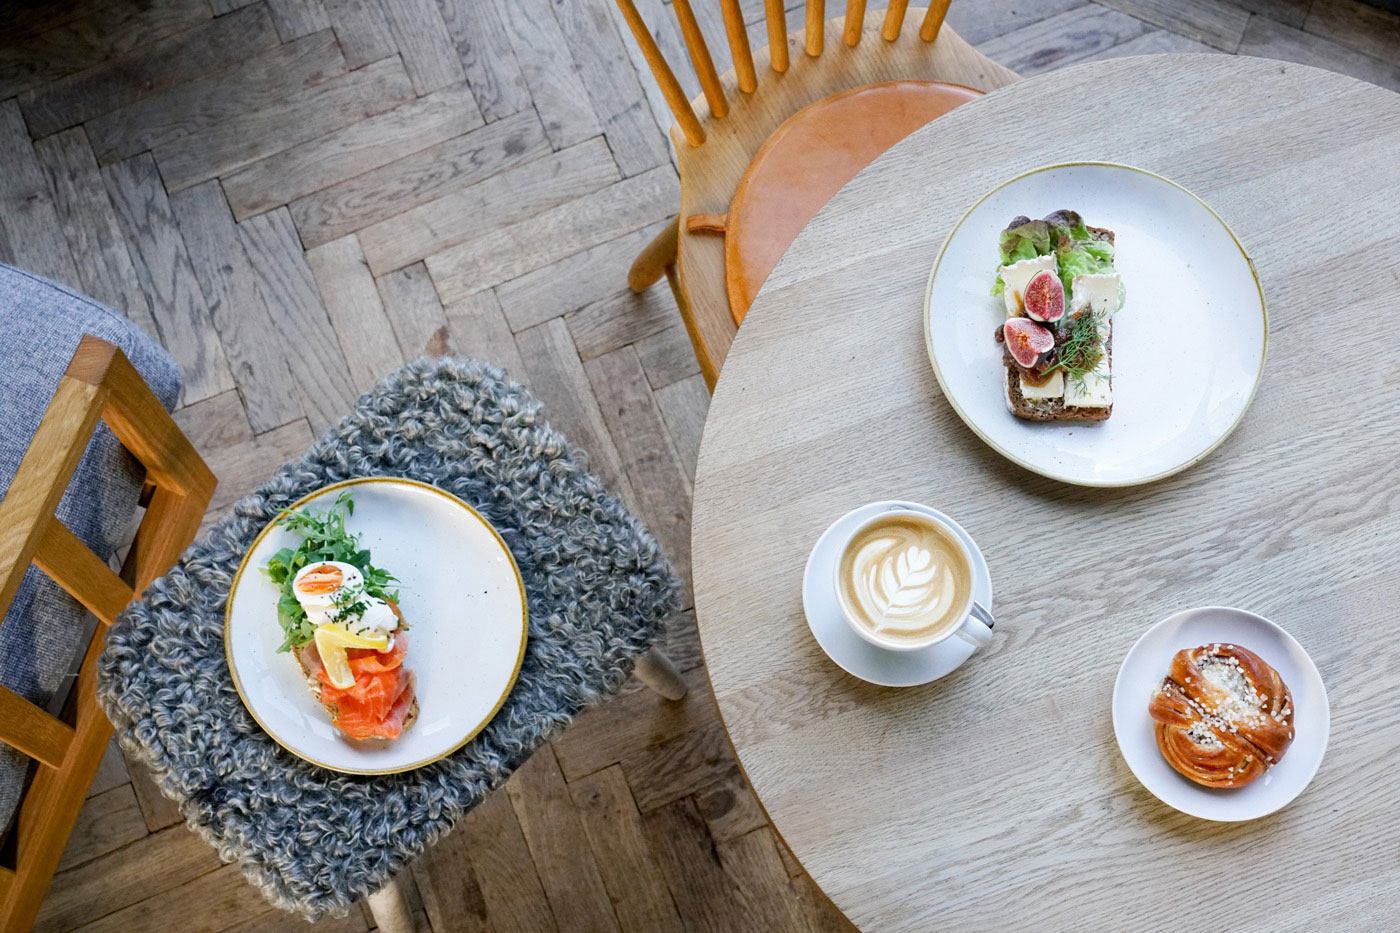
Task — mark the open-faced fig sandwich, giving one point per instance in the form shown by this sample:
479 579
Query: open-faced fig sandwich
1060 291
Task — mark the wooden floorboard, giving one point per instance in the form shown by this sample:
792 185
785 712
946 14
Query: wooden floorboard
668 358
256 356
359 147
559 846
100 32
443 170
547 63
117 82
482 211
488 259
297 18
1358 26
383 179
424 44
95 241
207 103
163 269
33 237
361 29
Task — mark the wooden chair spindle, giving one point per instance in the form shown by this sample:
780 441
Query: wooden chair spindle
665 78
739 46
776 17
816 26
894 19
933 20
700 58
855 22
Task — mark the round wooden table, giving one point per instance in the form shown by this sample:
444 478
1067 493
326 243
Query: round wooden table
996 798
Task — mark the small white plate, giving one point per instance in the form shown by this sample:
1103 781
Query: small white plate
1146 665
1188 345
462 597
849 651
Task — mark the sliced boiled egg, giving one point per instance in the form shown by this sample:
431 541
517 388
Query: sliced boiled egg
318 584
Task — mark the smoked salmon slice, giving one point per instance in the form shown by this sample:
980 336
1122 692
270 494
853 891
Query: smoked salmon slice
381 699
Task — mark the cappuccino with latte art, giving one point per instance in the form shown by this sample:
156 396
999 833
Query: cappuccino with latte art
905 580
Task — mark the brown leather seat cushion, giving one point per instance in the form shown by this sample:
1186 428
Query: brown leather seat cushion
807 160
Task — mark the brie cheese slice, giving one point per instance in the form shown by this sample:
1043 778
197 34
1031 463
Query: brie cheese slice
1018 275
1097 292
1095 392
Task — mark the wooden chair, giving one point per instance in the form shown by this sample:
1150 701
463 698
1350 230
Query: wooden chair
100 383
758 160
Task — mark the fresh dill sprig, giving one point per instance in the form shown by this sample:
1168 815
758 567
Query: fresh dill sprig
1082 353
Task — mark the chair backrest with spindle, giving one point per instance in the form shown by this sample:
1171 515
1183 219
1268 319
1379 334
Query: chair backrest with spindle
745 70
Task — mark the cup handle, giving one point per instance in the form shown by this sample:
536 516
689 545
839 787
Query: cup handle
976 628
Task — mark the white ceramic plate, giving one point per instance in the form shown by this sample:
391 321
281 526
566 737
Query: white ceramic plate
461 594
1188 344
1146 665
849 651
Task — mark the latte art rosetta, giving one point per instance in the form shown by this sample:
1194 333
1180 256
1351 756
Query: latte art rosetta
905 579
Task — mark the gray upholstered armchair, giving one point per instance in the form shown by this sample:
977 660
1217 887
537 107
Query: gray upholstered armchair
85 440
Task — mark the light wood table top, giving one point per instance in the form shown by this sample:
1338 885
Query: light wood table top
996 798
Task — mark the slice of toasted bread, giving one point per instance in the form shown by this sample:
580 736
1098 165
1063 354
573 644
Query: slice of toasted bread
1055 409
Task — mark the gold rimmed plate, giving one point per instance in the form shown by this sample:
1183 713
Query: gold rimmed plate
460 592
1188 344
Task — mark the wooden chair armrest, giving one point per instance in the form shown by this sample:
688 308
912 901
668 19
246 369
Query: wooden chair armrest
99 384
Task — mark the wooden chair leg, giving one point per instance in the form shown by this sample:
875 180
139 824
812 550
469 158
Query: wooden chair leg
390 908
661 252
657 672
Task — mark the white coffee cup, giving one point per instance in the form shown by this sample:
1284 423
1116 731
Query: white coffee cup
962 616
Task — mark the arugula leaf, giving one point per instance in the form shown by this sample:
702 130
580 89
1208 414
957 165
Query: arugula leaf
324 538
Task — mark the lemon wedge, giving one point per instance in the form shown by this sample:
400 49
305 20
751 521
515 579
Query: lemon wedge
331 642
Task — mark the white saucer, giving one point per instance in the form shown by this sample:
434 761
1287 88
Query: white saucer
853 654
1146 665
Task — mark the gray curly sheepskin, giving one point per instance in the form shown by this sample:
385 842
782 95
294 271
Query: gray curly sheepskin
315 841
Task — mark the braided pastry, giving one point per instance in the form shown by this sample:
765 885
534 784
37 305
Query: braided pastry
1223 715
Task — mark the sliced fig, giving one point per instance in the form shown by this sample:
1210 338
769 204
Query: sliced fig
1045 297
1027 340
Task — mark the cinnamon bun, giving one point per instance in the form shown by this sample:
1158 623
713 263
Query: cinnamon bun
1224 716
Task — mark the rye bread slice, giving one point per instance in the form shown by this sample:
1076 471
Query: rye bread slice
1055 409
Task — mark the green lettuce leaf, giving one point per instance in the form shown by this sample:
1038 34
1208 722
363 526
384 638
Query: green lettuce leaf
1063 233
1025 240
1083 259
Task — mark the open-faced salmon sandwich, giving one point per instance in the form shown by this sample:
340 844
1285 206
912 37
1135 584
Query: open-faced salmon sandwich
342 622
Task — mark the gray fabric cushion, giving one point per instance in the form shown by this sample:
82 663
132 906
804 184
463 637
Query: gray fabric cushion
313 840
40 326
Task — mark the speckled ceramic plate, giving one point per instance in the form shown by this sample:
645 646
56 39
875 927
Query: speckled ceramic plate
1142 672
461 594
1188 344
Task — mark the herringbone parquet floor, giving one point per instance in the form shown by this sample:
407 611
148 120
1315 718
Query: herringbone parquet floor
296 196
